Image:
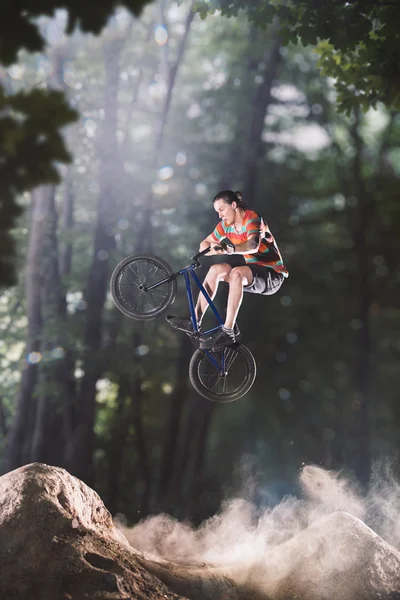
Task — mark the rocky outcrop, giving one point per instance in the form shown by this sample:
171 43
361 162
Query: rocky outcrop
58 542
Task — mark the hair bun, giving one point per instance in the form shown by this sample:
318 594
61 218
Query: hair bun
240 196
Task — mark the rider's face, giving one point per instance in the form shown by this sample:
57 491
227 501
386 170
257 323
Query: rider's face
226 212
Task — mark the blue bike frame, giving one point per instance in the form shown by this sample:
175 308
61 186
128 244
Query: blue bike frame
186 272
190 271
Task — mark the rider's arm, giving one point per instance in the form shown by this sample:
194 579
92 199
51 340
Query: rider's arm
250 246
209 242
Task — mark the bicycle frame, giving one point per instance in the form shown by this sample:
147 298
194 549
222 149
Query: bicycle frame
186 272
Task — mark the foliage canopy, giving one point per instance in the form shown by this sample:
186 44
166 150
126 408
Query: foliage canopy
19 30
358 41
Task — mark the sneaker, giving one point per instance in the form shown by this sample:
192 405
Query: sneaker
218 339
181 323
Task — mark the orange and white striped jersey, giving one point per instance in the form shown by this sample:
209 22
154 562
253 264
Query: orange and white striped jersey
268 254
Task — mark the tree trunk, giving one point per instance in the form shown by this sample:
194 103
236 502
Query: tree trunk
171 69
144 471
118 438
3 421
53 422
19 442
362 368
194 484
79 452
230 173
136 92
255 144
170 502
173 425
67 224
65 266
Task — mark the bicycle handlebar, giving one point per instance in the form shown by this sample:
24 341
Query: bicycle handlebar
222 246
204 252
197 256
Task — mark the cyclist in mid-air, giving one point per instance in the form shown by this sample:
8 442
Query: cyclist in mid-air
247 234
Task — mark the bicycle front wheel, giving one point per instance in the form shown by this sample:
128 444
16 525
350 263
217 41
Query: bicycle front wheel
223 375
129 283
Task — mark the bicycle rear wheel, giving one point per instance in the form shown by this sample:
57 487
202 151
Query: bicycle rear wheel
128 294
223 375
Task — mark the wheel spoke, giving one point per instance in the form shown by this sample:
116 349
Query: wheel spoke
151 297
131 271
206 378
232 380
229 360
150 273
141 273
158 294
129 298
215 384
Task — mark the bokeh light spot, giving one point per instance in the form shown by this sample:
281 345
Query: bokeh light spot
33 358
165 173
142 350
58 353
161 35
160 189
181 159
123 224
201 189
167 388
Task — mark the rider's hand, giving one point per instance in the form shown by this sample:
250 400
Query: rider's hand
228 246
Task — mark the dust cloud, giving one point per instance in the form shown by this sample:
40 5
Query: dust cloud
241 537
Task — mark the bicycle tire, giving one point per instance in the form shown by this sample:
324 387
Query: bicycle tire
133 271
202 387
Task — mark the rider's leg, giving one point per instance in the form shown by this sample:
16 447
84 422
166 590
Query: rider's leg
216 273
238 277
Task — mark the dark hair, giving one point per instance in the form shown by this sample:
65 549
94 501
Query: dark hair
229 196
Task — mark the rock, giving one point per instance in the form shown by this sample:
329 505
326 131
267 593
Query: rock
58 542
336 558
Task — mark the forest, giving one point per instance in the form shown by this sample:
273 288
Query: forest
169 109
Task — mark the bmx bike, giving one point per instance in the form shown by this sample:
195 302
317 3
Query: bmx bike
144 286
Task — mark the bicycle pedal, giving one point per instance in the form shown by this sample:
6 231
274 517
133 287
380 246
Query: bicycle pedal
176 327
194 339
